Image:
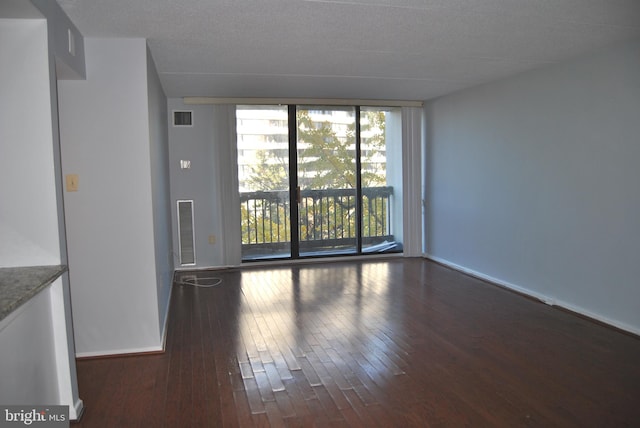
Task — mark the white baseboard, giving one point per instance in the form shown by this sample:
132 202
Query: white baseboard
165 324
75 411
144 350
291 262
116 352
549 300
543 298
204 268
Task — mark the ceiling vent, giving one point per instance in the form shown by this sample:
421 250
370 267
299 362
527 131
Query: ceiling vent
182 118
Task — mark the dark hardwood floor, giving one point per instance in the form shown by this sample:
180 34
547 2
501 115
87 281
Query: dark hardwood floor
396 343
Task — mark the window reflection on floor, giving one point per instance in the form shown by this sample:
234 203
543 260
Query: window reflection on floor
307 310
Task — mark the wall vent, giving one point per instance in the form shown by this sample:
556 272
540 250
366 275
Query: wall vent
186 233
182 118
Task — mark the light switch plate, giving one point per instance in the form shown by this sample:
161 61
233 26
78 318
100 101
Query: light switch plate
72 182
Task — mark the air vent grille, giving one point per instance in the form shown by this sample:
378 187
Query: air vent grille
182 118
186 233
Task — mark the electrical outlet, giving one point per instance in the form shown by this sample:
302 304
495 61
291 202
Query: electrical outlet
212 239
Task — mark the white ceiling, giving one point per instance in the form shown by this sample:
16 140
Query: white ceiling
368 49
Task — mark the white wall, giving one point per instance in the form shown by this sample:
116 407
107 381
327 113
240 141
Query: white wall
36 365
38 361
160 192
533 181
68 65
210 146
27 354
28 211
105 138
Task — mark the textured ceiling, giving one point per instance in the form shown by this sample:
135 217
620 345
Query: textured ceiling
371 49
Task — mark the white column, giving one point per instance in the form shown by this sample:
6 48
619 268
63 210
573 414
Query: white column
63 348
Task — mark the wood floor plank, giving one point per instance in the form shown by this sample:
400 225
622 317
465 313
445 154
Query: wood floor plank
387 343
253 396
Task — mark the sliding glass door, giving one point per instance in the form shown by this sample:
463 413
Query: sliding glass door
319 180
263 178
327 180
381 179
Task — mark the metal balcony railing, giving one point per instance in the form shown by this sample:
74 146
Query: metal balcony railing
327 219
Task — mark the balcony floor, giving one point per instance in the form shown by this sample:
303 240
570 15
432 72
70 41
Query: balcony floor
381 248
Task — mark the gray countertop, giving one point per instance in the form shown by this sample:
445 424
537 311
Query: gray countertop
19 284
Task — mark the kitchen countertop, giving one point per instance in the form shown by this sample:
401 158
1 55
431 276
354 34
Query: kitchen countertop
19 284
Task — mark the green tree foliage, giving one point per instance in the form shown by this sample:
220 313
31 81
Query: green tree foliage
373 129
325 160
271 172
265 223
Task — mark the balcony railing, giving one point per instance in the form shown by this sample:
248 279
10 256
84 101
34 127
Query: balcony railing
327 220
